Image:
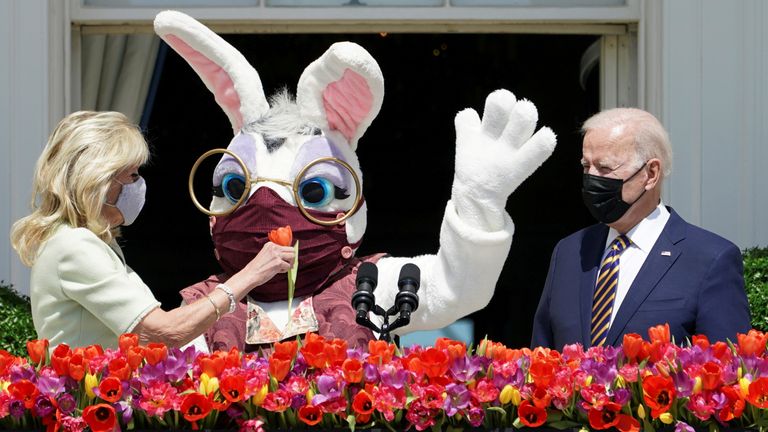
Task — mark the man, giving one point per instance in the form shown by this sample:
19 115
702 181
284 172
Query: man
643 265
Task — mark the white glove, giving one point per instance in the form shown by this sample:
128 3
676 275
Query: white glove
494 155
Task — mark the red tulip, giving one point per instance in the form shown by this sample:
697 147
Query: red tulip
60 359
110 389
701 341
362 404
758 393
310 415
288 348
232 387
281 236
25 391
194 407
658 394
710 375
531 415
37 349
100 418
605 418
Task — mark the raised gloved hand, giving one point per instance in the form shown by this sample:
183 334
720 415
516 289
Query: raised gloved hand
494 155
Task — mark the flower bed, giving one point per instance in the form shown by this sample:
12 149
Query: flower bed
318 383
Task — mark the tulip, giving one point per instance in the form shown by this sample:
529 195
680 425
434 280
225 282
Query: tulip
282 236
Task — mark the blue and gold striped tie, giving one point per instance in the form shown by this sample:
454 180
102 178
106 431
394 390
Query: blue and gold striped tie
605 291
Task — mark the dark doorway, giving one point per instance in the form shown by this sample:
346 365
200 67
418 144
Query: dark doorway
406 155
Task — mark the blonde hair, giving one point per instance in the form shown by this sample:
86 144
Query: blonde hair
651 140
73 174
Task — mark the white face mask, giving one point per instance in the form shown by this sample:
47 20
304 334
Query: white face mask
131 200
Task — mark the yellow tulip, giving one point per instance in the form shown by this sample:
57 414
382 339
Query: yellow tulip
588 381
505 396
90 383
641 412
208 385
666 418
697 385
744 386
259 397
310 395
4 385
620 381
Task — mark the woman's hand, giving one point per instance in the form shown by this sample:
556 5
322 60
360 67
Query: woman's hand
271 260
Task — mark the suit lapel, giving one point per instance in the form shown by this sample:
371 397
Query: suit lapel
592 247
653 269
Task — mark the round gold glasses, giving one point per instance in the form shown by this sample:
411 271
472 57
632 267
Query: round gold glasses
336 167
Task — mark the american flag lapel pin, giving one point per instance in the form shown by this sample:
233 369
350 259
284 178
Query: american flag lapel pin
666 253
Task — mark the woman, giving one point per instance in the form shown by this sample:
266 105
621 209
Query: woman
86 185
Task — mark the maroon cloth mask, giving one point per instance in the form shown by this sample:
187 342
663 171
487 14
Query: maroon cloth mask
239 236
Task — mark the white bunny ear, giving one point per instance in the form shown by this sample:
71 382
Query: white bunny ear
227 74
341 92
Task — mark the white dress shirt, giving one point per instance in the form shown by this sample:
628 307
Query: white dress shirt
643 236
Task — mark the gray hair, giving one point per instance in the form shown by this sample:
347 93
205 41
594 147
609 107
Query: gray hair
651 139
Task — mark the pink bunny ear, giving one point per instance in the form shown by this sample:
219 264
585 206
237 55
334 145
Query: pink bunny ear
233 81
342 91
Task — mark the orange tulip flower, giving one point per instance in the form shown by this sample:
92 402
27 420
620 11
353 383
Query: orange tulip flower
155 353
701 341
752 343
659 333
77 367
127 340
380 351
119 368
632 346
352 370
37 350
279 365
281 236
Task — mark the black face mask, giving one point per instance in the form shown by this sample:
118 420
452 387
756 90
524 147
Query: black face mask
602 196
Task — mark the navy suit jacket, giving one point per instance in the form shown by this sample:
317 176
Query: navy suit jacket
692 279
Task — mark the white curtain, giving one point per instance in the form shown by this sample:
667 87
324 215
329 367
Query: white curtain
117 71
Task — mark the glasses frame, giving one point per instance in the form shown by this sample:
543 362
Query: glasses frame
294 186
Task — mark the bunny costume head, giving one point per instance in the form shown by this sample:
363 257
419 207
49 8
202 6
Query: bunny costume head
275 143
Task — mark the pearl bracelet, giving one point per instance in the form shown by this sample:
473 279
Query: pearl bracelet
231 295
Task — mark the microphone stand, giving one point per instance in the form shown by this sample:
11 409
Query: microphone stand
386 327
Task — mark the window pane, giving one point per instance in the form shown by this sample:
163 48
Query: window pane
354 3
540 3
169 3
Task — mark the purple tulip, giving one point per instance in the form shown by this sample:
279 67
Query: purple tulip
43 406
16 409
457 397
67 403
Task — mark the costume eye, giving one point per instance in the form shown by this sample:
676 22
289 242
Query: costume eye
233 186
318 191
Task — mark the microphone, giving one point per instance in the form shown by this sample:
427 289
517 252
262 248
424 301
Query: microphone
407 300
363 299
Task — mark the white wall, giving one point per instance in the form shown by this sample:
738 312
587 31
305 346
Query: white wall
714 103
25 111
